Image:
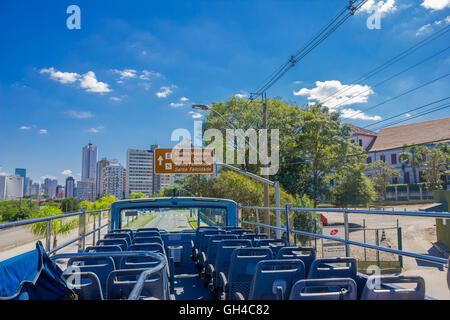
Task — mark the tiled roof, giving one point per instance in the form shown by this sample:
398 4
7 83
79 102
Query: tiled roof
425 132
360 131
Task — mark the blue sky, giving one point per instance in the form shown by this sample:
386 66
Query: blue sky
128 77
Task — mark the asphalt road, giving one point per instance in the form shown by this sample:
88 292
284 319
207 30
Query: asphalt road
171 221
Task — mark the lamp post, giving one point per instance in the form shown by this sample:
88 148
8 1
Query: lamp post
264 179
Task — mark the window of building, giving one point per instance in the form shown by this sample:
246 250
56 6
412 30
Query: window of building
369 159
360 142
394 180
383 158
394 158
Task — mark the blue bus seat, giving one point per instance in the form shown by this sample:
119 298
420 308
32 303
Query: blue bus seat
108 248
273 279
195 242
274 244
139 240
138 262
146 234
146 229
127 231
153 247
86 285
324 289
117 242
200 241
306 254
121 283
209 240
101 266
210 256
393 292
242 268
223 260
117 235
324 268
229 228
240 231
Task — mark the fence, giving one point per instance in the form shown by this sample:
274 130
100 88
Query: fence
82 227
288 230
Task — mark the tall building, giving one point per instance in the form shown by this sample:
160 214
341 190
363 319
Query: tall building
35 189
2 187
11 187
69 188
139 174
114 180
23 173
28 184
89 162
50 187
100 177
60 192
86 190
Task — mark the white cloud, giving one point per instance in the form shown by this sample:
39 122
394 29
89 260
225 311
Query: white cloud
125 74
80 114
43 131
66 172
436 4
357 114
91 84
428 28
297 82
407 115
240 95
96 129
195 115
25 128
117 99
184 99
147 74
87 81
62 77
165 91
176 104
348 94
383 7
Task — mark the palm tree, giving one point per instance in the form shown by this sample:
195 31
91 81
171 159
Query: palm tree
414 155
59 226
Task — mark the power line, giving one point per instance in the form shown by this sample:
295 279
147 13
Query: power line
407 92
403 113
393 60
392 77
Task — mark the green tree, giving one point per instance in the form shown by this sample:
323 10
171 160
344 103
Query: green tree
58 226
434 167
353 188
14 210
305 221
69 204
138 195
380 173
415 156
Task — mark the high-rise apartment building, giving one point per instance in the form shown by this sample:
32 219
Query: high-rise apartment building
89 162
86 190
100 177
2 187
69 188
50 187
139 174
11 187
113 183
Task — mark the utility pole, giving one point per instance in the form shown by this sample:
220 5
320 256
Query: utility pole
266 186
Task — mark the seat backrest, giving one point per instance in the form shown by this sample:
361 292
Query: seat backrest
119 242
306 254
146 234
274 244
108 248
153 247
146 229
223 257
211 248
384 288
273 274
121 283
324 289
203 239
138 262
127 231
198 234
240 231
229 228
86 285
242 267
325 268
124 235
148 240
101 266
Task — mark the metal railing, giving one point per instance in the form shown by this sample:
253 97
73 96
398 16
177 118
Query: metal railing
288 209
82 234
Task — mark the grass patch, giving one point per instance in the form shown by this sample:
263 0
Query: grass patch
193 222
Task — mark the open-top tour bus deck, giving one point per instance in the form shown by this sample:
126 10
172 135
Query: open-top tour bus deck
197 249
